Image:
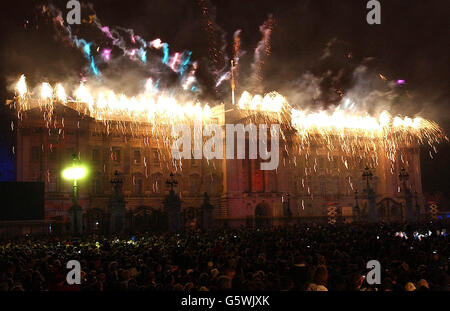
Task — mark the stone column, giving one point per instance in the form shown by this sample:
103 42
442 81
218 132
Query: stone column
372 205
172 206
207 213
117 205
409 205
76 219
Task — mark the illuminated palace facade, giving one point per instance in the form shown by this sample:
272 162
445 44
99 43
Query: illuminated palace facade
302 188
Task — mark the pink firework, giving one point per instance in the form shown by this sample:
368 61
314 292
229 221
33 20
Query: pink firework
106 54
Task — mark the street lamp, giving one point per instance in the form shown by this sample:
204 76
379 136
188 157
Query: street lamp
367 175
171 182
371 196
75 172
403 176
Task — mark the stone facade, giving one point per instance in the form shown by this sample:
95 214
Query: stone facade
301 187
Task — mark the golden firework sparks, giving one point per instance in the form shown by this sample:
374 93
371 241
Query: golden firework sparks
354 134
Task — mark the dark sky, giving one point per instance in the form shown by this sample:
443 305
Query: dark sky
411 44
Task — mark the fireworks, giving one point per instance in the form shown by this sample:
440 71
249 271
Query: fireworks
343 133
271 102
21 86
348 128
147 107
60 93
262 50
364 135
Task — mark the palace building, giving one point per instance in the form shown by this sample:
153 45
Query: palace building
319 184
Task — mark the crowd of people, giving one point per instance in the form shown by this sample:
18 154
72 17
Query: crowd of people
292 258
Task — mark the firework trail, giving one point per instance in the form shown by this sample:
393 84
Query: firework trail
355 133
65 35
262 51
131 45
216 41
236 54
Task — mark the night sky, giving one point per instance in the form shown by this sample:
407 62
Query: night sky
320 43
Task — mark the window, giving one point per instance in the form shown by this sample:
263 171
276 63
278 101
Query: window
335 162
155 154
137 183
95 155
309 209
194 183
156 183
308 184
137 156
215 184
35 152
323 185
52 155
335 185
69 153
96 184
52 181
321 162
116 155
361 164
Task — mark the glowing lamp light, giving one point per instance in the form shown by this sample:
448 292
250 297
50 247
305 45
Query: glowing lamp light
74 173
